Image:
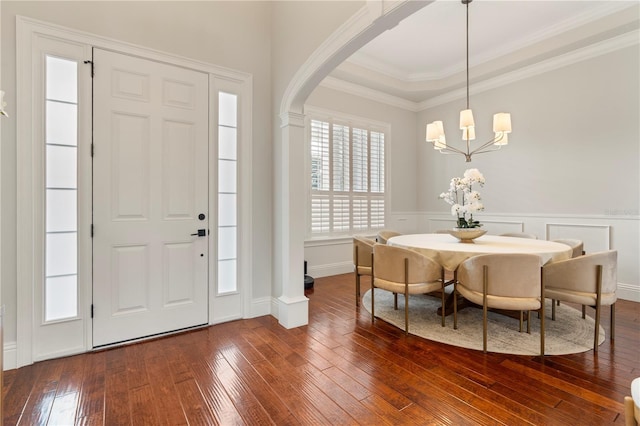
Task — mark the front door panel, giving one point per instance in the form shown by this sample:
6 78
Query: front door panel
150 186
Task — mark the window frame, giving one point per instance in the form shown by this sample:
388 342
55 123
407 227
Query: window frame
337 118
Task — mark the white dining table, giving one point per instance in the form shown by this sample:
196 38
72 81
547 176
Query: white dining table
449 252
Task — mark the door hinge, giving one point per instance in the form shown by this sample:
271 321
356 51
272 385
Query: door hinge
93 70
92 310
92 230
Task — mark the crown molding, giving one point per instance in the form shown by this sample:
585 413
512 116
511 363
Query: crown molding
598 49
371 94
616 43
505 48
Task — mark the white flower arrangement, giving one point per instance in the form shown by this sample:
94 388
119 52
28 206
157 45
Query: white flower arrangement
463 199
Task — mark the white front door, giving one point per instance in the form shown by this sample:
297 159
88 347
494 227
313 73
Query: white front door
150 195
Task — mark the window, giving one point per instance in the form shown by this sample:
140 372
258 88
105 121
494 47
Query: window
61 224
346 176
227 192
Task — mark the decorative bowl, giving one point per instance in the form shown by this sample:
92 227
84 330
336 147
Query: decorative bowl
467 235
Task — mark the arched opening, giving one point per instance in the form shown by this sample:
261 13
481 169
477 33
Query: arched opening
368 23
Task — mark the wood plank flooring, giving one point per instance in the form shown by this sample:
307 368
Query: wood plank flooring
340 369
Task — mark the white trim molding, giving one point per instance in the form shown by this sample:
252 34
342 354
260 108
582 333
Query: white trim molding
598 49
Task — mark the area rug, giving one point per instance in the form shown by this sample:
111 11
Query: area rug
568 334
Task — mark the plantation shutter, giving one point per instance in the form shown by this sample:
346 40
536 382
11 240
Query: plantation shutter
347 178
320 203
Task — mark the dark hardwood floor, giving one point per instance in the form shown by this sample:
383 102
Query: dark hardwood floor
340 369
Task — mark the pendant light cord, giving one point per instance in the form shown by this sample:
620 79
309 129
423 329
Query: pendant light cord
468 54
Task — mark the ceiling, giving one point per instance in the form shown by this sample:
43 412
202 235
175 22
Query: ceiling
424 56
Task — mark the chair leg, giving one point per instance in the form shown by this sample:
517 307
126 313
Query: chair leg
553 309
395 301
455 306
357 288
613 322
542 330
442 295
484 327
372 301
584 311
542 303
596 332
521 321
406 309
406 296
528 322
485 289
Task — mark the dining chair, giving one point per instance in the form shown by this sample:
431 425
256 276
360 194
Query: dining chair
385 234
631 404
362 260
509 282
589 280
576 245
405 271
519 235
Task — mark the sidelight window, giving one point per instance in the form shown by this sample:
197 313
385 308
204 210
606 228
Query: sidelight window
227 192
61 185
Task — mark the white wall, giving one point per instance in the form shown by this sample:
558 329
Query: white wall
236 35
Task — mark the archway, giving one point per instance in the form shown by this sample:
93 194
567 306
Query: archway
372 20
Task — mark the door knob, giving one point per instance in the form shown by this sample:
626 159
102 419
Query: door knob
200 233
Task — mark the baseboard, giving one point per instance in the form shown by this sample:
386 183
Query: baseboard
10 356
628 292
330 269
261 307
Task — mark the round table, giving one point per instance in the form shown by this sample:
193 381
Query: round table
449 252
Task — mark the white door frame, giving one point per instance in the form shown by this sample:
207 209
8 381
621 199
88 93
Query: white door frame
28 258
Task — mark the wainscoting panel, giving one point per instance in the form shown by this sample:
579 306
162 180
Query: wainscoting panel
595 237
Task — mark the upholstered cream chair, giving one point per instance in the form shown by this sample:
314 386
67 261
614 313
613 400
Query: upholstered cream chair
631 408
400 270
519 235
385 234
589 280
502 281
576 245
362 260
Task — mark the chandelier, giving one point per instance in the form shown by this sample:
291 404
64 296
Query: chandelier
501 124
